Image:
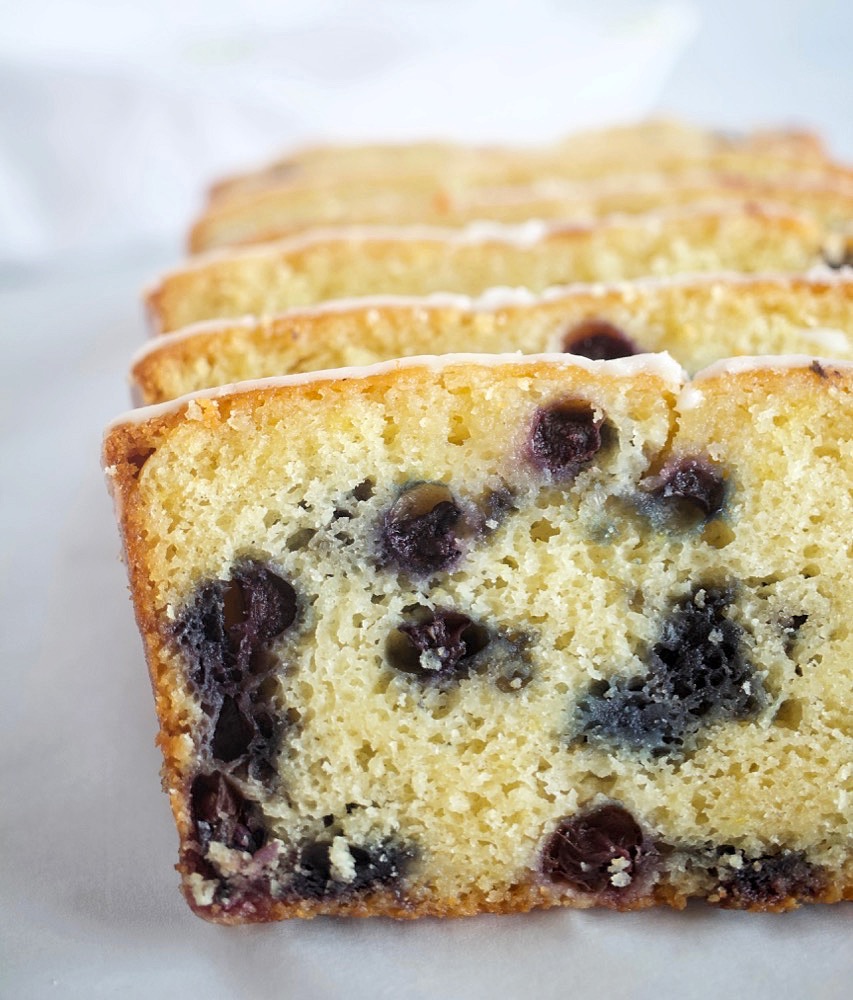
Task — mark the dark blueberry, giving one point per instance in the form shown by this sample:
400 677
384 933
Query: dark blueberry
601 850
264 605
313 871
224 635
770 881
420 531
599 340
202 636
697 674
564 438
230 620
233 733
495 506
379 865
818 369
688 487
221 813
436 644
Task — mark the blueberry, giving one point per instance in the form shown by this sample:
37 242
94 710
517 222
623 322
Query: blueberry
233 733
495 507
221 813
687 488
378 865
697 674
599 340
603 850
230 620
770 880
224 635
437 644
419 533
564 438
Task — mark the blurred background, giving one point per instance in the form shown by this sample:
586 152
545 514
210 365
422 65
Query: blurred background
117 113
114 117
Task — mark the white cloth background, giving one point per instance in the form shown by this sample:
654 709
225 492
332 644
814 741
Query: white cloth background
113 115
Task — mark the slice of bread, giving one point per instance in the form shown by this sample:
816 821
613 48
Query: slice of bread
698 319
281 212
481 633
652 145
339 263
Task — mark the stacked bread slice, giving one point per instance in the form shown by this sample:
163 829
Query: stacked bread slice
523 613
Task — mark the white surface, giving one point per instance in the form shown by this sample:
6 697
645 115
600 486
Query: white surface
89 906
140 105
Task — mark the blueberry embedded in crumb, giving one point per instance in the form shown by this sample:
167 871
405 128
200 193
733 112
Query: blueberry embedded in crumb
420 532
264 605
687 490
369 867
697 674
233 733
221 813
230 620
770 881
224 635
495 506
599 340
564 438
437 645
600 851
443 646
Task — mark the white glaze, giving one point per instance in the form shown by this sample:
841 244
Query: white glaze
503 297
782 362
740 186
525 234
662 365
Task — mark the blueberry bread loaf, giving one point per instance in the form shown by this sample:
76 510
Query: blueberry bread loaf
338 263
698 319
477 633
652 146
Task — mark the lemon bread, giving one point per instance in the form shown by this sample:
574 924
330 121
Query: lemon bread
470 634
338 263
697 319
648 146
279 213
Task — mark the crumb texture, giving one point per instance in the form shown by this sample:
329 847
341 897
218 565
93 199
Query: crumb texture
487 637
